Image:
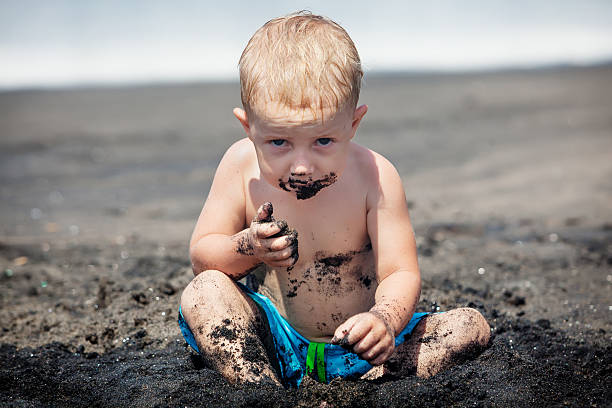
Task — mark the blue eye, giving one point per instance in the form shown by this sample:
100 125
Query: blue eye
278 142
323 141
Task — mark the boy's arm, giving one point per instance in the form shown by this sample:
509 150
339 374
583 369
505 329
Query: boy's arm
220 240
397 269
372 334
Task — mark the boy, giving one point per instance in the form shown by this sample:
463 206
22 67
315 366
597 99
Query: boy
322 220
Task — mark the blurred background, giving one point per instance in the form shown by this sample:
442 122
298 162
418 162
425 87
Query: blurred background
114 114
54 43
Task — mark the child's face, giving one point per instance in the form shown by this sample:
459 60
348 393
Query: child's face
298 154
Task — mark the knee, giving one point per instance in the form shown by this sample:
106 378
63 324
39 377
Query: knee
476 330
205 288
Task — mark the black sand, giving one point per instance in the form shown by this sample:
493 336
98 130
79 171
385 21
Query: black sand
509 180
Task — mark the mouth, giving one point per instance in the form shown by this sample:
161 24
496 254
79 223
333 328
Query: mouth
294 182
306 189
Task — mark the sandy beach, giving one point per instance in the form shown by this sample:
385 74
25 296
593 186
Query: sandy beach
508 176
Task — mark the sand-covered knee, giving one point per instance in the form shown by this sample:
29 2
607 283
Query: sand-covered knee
475 328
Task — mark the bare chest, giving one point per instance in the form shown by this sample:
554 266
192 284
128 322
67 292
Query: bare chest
332 222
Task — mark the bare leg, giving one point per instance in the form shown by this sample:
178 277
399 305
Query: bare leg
228 328
438 342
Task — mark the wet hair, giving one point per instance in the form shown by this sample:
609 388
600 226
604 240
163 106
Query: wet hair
300 61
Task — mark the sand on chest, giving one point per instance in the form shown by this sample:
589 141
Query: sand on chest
319 294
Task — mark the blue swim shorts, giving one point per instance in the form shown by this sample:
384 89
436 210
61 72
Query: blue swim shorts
298 356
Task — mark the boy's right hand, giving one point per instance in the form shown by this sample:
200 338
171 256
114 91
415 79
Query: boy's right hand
272 243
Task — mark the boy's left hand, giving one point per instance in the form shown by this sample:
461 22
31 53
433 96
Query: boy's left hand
368 336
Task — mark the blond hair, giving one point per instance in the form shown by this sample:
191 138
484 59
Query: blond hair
300 61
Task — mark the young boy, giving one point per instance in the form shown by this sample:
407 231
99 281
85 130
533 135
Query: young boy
323 222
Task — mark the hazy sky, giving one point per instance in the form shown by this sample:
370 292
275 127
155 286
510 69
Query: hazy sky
58 42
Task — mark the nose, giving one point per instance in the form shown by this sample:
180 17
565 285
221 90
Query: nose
301 166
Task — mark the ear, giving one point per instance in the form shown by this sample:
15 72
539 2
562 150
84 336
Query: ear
359 114
241 115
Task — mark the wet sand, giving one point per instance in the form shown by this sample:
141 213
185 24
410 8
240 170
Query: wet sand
509 180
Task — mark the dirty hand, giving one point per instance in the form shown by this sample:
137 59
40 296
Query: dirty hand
271 240
368 336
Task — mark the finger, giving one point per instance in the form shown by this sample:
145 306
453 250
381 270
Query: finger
276 244
282 225
380 359
343 330
374 352
383 357
266 229
283 263
345 334
370 340
376 349
359 330
264 212
277 255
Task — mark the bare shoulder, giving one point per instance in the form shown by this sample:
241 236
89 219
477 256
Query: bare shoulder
236 163
240 153
377 171
223 210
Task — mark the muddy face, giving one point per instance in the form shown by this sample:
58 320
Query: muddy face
307 189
